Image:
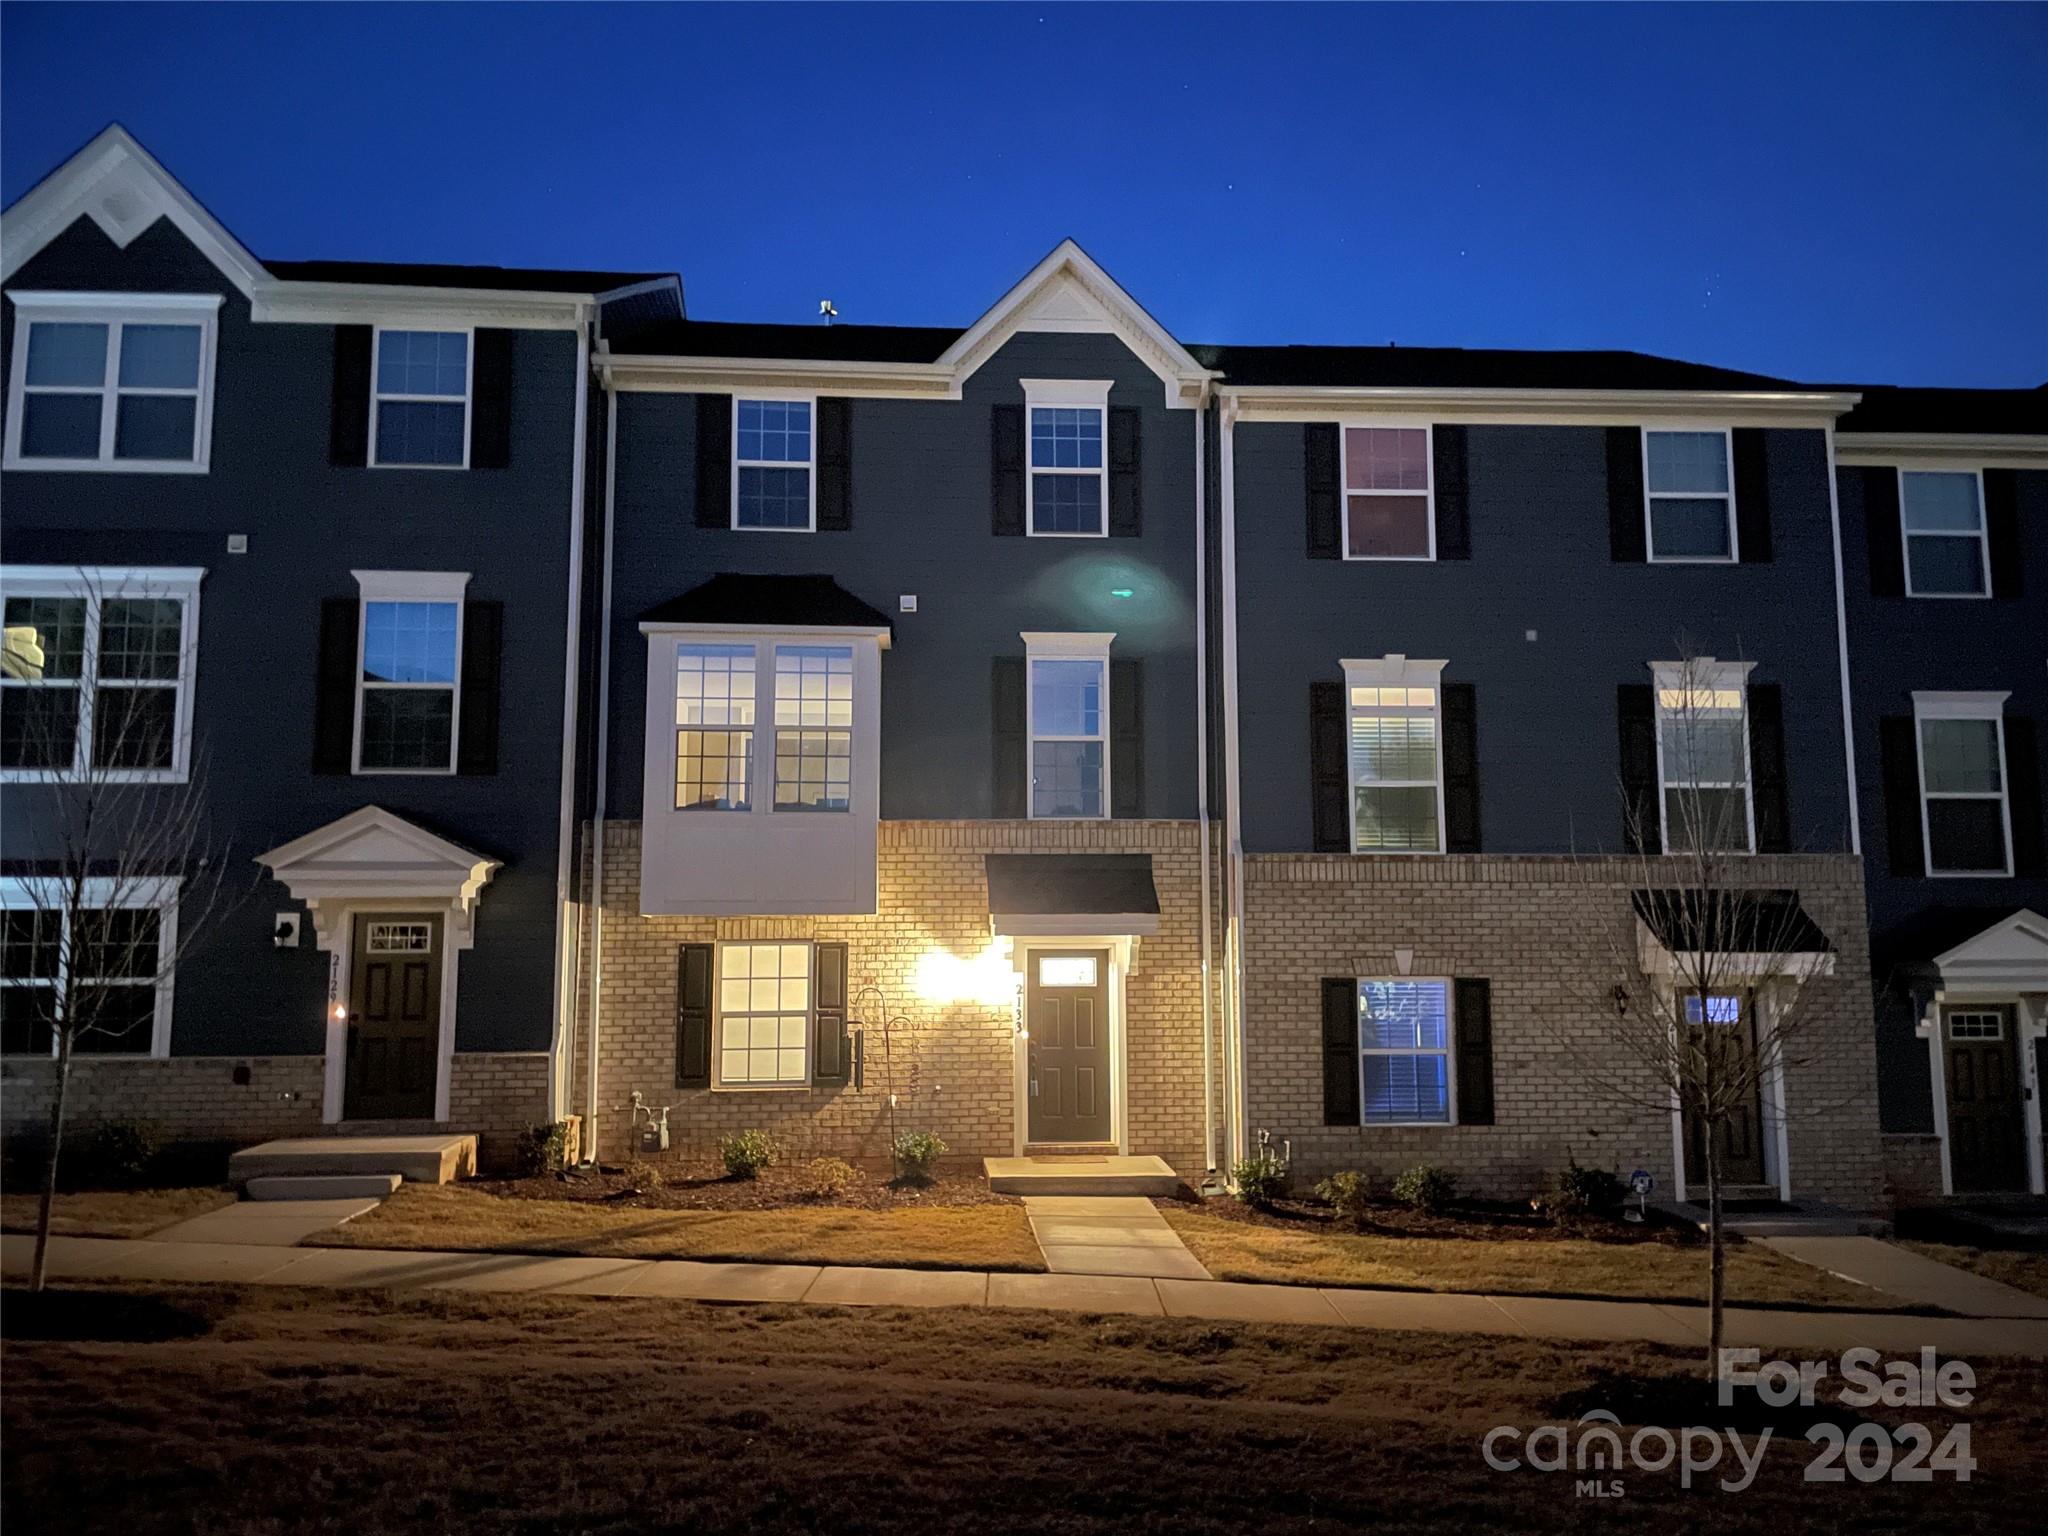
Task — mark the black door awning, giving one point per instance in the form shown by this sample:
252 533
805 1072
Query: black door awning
1072 893
1731 922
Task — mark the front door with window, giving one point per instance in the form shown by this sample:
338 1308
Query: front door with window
1068 1076
1986 1123
1728 1033
394 1023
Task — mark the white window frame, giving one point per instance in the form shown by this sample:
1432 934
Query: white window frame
1961 706
1727 435
1053 645
32 893
1345 493
676 726
776 727
780 1085
115 311
468 334
93 585
1393 671
408 587
738 463
1449 1052
1982 535
1065 395
1996 1015
1702 673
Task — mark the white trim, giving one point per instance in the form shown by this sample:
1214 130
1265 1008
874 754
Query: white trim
1962 706
1234 1135
2030 1027
1449 1052
1067 395
1773 1143
1703 673
1495 406
1974 450
1727 497
1121 949
810 465
1842 653
1345 492
562 1036
115 312
439 588
1982 534
160 893
800 1084
1044 645
1393 671
377 395
93 585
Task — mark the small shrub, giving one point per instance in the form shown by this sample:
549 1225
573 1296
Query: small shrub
1260 1178
117 1154
643 1176
1576 1194
1426 1187
916 1153
1349 1195
541 1149
832 1177
746 1153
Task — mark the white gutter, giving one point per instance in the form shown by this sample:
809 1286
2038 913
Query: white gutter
600 798
1842 650
1234 1111
1615 406
565 1003
1202 780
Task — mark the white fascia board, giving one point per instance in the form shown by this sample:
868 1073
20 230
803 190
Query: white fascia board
1541 407
739 375
782 634
1972 450
1028 925
426 308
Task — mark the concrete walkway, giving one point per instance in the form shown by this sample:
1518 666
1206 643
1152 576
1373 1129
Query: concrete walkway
1109 1235
1910 1276
266 1223
90 1258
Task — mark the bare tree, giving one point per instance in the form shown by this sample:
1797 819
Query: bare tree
123 874
1701 985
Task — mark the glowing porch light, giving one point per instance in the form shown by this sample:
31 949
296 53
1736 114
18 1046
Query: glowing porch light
988 979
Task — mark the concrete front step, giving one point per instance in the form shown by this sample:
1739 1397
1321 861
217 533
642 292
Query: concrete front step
322 1186
418 1159
1080 1175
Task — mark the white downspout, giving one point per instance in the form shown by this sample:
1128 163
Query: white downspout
565 938
1842 649
600 800
1234 1107
1202 773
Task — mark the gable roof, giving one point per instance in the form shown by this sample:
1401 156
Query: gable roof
779 602
417 274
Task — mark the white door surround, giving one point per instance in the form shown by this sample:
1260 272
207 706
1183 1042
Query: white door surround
2004 966
1123 955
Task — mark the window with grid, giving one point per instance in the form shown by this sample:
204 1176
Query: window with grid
99 388
1703 758
411 655
1962 795
1067 475
1688 479
1069 712
419 416
772 464
1394 755
1387 494
93 681
813 727
764 1014
1404 1041
1941 516
1976 1026
115 950
714 727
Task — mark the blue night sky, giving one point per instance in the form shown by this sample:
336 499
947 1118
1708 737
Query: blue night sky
1827 192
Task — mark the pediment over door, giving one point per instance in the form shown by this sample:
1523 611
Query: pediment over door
373 859
2009 956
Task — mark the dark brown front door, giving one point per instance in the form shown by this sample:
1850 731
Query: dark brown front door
394 1028
1729 1033
1067 1001
1986 1124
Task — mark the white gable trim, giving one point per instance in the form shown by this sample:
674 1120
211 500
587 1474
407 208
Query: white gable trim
2010 956
371 856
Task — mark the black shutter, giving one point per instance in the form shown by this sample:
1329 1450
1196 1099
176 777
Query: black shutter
490 426
831 1060
1767 768
835 466
483 643
1453 501
1328 769
334 698
1881 532
1752 496
2023 771
1340 1051
1461 768
1642 820
1006 471
1475 1049
714 461
1126 739
1126 497
348 426
1625 537
1011 773
693 1015
1325 501
2002 526
1900 753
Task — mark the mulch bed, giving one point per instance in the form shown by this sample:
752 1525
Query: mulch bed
1476 1220
705 1186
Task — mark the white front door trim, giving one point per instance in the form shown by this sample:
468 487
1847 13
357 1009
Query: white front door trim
1122 949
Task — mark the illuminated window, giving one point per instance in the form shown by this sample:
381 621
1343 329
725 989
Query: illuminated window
813 727
1688 478
1703 757
714 727
1393 724
1387 494
1069 728
1404 1041
1067 971
764 1014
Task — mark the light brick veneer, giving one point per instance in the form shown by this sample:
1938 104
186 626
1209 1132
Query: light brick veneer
1535 927
955 1063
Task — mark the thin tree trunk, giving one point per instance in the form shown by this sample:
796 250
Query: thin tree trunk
41 1270
1717 1262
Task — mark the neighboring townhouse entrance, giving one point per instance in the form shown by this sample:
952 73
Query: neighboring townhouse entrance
1070 1070
394 1026
1986 1114
1729 1031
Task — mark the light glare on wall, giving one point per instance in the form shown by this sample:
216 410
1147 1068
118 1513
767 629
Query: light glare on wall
987 978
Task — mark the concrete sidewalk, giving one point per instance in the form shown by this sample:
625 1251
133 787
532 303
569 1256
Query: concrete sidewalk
90 1258
1108 1235
1910 1276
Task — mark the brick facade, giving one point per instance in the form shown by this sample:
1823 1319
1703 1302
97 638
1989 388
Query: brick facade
956 1064
1536 928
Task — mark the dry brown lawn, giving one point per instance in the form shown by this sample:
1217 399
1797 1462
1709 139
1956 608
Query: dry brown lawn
112 1212
912 1237
272 1413
1234 1249
2024 1269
